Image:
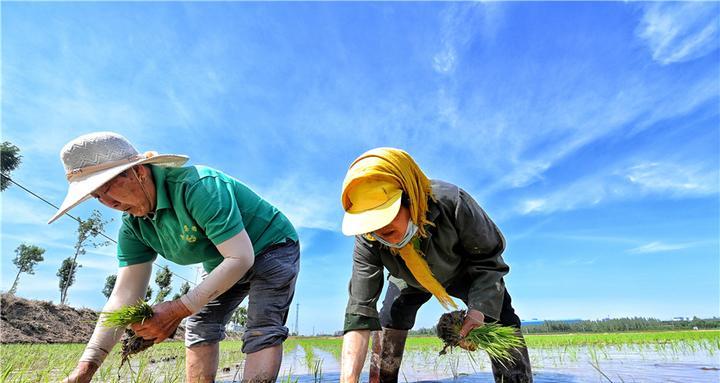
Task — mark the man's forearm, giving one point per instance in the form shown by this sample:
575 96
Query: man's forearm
238 259
226 274
131 284
354 350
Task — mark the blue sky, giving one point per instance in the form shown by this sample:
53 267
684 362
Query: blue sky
588 132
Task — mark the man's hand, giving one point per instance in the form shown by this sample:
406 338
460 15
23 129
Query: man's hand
166 318
473 319
83 373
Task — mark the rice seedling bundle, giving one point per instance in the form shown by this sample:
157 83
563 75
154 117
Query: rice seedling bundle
495 339
125 316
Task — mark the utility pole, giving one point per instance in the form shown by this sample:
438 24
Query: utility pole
297 314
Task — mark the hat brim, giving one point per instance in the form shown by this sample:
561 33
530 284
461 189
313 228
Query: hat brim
79 189
371 220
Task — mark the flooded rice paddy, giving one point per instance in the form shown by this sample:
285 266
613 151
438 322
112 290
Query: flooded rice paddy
687 357
696 361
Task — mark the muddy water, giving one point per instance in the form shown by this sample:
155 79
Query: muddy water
581 365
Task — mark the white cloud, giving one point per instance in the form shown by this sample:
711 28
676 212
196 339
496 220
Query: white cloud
460 25
657 247
444 61
532 205
308 204
17 211
680 31
580 261
673 178
670 179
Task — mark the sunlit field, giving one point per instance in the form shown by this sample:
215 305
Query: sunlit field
616 357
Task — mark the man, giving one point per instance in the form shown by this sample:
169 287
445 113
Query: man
434 240
188 215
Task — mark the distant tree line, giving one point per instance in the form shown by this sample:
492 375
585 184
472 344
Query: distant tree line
423 331
620 325
606 325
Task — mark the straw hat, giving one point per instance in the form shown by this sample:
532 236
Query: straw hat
94 159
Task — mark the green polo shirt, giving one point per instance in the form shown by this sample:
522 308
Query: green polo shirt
197 209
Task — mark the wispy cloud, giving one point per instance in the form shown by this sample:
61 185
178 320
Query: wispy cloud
583 238
581 261
519 140
668 179
532 119
20 211
680 31
461 24
658 247
313 205
673 178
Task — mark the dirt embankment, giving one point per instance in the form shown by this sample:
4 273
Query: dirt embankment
30 321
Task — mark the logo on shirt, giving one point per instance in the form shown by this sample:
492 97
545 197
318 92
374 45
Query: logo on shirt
187 234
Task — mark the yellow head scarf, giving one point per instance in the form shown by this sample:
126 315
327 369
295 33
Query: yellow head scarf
396 166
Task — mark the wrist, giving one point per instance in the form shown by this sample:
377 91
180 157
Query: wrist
475 316
180 310
87 367
189 304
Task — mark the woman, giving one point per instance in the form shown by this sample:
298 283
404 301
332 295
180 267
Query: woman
434 240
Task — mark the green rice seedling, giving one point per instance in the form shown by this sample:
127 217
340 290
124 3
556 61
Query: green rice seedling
309 355
596 366
128 315
289 378
125 316
317 371
496 340
7 369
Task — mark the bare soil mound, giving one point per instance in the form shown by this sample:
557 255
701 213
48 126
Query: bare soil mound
30 321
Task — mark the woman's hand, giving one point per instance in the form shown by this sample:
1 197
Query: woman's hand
166 318
473 319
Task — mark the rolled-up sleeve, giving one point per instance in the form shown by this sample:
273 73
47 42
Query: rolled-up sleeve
483 244
366 284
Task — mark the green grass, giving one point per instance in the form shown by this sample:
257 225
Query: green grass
628 338
39 363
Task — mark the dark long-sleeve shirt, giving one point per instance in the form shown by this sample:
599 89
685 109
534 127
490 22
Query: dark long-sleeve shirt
463 242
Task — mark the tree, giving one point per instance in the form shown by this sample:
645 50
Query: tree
27 257
109 285
88 231
66 273
10 159
148 293
239 316
184 288
163 278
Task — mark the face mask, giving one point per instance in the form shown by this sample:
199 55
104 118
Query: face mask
409 234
